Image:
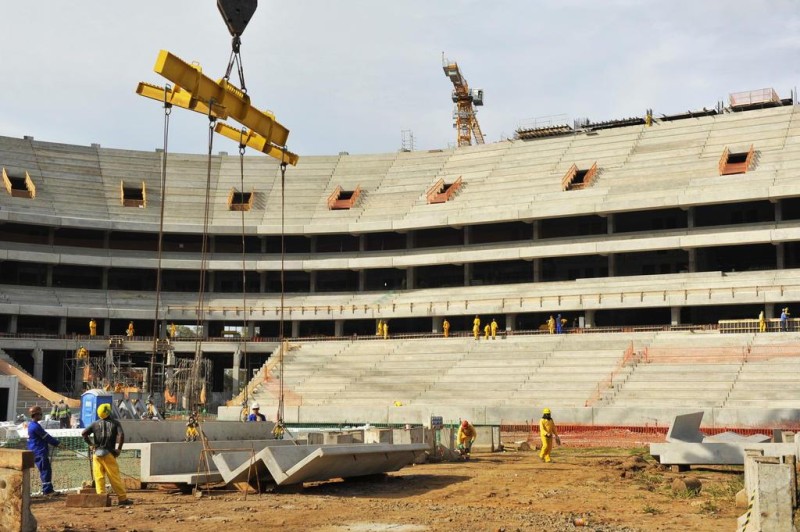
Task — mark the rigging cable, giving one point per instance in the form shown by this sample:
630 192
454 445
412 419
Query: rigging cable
279 424
167 113
198 354
245 328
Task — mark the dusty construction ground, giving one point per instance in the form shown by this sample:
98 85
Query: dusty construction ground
500 491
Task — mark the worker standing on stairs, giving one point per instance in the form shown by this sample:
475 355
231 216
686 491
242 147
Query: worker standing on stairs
385 330
486 331
256 415
38 442
379 331
547 432
465 439
494 329
762 323
476 327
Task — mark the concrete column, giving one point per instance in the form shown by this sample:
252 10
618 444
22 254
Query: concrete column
210 282
612 265
675 315
338 328
51 236
779 211
212 244
410 240
49 275
690 217
588 318
436 326
106 327
467 274
537 270
312 281
13 324
62 326
295 328
467 234
104 279
106 239
511 322
362 280
610 224
237 363
537 229
38 362
692 260
769 311
263 241
162 329
262 282
312 245
410 278
780 255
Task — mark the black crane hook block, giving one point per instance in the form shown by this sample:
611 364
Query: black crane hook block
237 13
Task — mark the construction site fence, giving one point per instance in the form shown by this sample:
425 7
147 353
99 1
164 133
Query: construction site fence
626 436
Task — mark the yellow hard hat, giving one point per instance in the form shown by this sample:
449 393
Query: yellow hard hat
104 410
545 411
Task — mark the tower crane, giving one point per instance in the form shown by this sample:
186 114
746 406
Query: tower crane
466 99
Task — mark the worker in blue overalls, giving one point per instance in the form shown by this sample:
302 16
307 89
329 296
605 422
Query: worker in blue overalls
38 442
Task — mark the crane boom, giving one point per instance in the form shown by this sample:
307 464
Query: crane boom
466 99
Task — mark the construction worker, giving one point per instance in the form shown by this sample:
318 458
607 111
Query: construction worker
83 353
192 428
173 330
465 439
256 415
446 328
486 330
559 325
379 330
130 330
547 432
385 330
62 414
476 327
38 442
551 325
762 322
106 445
151 412
92 327
494 329
785 319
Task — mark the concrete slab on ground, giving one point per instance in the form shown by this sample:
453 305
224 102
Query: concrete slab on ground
723 453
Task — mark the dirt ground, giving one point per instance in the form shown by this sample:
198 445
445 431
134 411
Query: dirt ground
609 489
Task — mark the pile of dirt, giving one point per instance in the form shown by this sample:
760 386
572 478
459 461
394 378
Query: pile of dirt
606 489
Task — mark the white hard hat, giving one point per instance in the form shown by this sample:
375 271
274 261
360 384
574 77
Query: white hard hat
254 406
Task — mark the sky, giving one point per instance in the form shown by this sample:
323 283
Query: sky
351 75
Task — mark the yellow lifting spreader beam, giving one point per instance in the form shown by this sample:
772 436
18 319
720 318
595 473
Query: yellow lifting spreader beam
257 142
198 92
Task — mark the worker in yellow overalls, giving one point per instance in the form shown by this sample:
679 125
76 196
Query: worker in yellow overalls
446 328
494 329
476 327
548 433
551 325
130 331
92 327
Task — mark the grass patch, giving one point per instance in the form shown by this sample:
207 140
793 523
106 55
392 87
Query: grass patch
725 490
651 510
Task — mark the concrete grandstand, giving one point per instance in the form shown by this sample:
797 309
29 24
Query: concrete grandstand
685 222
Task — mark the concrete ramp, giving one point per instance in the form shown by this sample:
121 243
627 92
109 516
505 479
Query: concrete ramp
298 464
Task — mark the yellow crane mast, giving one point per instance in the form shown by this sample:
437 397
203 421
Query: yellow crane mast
466 99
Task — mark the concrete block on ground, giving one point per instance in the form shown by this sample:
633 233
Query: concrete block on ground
734 437
723 453
378 436
175 431
297 464
686 428
15 494
88 500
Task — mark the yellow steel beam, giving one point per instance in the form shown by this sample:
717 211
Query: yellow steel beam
210 92
256 141
180 98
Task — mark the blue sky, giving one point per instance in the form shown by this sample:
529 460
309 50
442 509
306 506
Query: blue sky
349 75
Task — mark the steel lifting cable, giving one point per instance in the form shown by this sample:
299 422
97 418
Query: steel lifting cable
246 330
212 120
236 57
167 113
279 425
